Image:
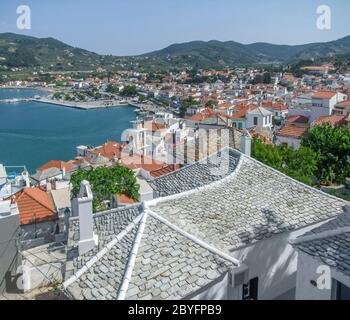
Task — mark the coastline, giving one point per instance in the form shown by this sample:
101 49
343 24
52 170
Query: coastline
91 105
82 105
28 88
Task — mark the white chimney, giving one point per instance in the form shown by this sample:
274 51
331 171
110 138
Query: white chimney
25 177
246 143
88 239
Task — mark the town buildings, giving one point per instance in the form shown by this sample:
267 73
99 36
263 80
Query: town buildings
211 223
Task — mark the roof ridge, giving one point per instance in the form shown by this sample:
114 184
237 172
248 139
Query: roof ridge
296 181
189 192
321 235
196 240
102 252
196 162
132 259
40 202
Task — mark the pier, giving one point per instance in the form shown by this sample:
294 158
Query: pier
17 100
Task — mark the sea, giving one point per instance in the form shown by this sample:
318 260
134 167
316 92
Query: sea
32 133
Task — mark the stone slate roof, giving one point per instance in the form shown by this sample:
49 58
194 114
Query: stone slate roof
104 278
333 250
171 266
46 174
254 203
197 174
106 226
168 265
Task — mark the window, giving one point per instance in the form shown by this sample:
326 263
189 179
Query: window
250 290
255 121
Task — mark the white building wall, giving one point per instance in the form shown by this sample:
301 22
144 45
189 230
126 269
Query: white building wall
274 262
307 273
316 112
291 142
299 112
264 122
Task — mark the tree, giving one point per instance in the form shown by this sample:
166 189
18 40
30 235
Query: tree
332 144
186 104
111 88
129 91
105 183
266 78
211 103
299 164
142 98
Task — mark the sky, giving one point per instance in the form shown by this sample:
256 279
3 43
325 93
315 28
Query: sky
130 27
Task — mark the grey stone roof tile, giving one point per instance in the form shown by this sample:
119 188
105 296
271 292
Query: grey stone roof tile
332 251
197 174
254 203
190 264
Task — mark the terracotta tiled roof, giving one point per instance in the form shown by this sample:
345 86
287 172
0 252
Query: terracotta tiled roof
59 164
297 119
314 68
34 205
165 170
344 103
242 111
292 131
154 126
324 95
333 120
110 149
205 113
154 167
279 107
122 198
224 106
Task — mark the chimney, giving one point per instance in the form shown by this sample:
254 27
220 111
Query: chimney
346 209
246 143
83 205
25 176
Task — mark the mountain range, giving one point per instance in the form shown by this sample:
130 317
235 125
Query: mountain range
48 53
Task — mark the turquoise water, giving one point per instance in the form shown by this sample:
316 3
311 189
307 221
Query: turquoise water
33 133
19 93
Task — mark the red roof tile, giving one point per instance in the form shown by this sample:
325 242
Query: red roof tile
333 120
292 131
34 205
59 164
297 119
324 95
110 149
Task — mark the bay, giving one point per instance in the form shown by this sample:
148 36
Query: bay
33 133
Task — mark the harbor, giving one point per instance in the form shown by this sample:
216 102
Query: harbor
88 105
